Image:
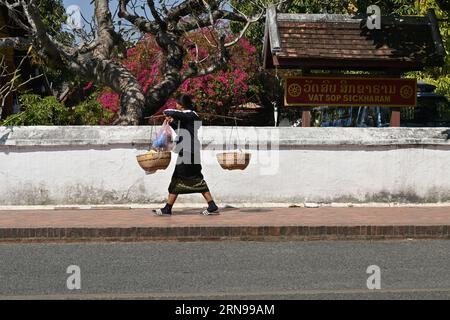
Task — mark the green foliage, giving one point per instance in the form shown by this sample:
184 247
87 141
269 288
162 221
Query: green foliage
439 76
319 6
388 7
92 112
442 84
54 15
255 33
45 111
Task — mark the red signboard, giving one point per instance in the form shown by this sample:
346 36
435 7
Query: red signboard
350 92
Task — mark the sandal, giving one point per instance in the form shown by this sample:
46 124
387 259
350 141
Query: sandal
159 212
208 213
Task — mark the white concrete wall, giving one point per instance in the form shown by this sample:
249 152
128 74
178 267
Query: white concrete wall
97 165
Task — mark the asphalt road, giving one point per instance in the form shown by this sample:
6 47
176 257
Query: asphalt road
227 270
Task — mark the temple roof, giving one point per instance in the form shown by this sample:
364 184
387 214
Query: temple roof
334 41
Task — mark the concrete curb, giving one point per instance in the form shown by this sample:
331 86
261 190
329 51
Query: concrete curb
181 205
218 233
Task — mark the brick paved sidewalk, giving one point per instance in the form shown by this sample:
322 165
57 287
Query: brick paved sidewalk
233 224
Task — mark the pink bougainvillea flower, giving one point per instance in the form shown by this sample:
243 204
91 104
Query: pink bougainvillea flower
88 86
213 92
110 101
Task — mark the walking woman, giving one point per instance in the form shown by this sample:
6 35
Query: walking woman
187 177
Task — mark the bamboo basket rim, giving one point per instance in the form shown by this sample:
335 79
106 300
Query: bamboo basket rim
151 162
247 154
156 155
234 160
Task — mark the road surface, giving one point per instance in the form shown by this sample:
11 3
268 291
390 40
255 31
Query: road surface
227 270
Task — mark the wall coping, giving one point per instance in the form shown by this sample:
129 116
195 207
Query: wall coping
132 136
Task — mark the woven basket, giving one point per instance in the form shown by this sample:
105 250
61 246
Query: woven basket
153 161
234 160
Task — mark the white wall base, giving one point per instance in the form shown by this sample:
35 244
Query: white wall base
52 166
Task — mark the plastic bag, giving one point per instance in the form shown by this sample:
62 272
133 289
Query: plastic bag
164 139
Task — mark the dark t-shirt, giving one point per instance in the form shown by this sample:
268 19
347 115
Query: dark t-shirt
190 122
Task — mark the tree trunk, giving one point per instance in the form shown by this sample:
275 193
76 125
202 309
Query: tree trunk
158 95
132 103
174 53
124 83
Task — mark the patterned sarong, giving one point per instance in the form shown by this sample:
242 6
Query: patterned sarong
185 185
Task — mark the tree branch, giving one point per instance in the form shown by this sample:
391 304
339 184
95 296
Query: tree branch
247 25
219 64
18 43
9 86
107 37
183 9
156 15
58 52
192 23
16 15
141 23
